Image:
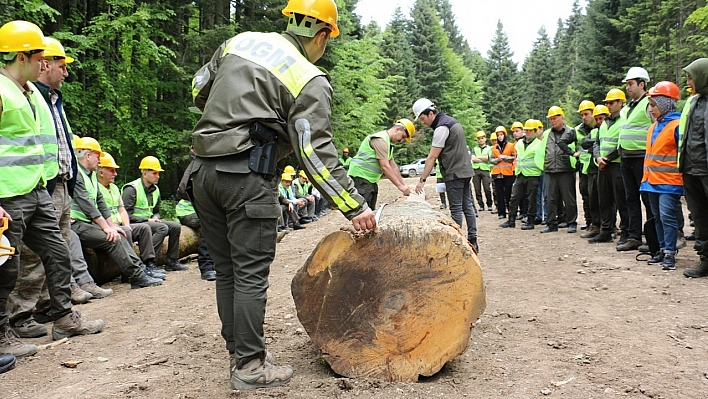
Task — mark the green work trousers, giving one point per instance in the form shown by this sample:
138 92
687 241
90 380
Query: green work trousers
121 251
239 213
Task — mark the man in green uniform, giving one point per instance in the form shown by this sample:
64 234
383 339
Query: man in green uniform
375 159
262 99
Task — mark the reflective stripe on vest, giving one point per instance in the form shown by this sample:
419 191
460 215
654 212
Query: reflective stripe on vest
184 208
302 189
111 196
503 167
684 121
525 158
364 164
661 159
585 155
608 139
478 152
47 134
142 208
22 155
275 53
91 184
633 126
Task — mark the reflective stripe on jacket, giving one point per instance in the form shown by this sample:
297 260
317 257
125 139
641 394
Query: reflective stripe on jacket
364 164
633 126
503 167
608 139
661 159
525 158
480 152
184 208
142 207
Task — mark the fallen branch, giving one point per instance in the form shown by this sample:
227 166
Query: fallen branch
153 363
53 344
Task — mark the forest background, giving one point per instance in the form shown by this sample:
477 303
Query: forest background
130 85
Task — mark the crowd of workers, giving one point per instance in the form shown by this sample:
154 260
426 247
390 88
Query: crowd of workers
262 98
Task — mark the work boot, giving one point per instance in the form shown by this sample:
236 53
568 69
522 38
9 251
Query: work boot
7 362
632 244
473 243
603 236
259 374
495 210
298 226
537 221
233 360
143 280
520 217
209 275
550 228
30 329
585 226
644 248
42 317
510 223
79 296
591 232
172 265
669 262
701 270
572 227
656 259
562 225
153 272
691 237
527 226
72 324
10 343
96 291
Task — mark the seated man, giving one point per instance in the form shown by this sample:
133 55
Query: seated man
91 218
303 190
139 232
289 204
141 199
188 217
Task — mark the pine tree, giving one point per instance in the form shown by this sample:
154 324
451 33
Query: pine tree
395 45
428 40
503 89
538 73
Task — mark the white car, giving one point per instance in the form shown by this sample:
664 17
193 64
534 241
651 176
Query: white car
414 169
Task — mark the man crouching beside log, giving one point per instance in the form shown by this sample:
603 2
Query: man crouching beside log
262 98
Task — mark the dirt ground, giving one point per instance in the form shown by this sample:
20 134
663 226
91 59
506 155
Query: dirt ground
563 319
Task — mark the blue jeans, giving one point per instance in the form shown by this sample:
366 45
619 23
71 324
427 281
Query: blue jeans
459 196
663 206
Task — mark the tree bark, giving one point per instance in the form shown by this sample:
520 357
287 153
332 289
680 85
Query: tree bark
394 305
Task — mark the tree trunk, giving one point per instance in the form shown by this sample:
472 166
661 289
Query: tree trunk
394 305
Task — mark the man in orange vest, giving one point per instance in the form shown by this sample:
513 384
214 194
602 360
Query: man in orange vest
661 178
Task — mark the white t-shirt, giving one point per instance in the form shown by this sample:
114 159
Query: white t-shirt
440 136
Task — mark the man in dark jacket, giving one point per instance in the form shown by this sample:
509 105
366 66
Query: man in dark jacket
693 158
559 167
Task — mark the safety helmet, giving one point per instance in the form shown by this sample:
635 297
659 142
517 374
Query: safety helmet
75 140
18 36
421 105
286 176
302 174
151 163
615 94
586 104
344 150
89 143
408 125
555 111
481 134
517 124
666 89
324 10
500 129
55 49
107 161
600 109
530 124
636 73
290 170
493 136
539 124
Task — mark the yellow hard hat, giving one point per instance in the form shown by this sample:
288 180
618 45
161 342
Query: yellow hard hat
517 124
615 94
107 161
481 134
530 124
555 111
493 136
88 143
302 174
324 10
600 109
16 36
289 170
75 140
539 124
286 176
345 149
408 125
586 104
151 163
500 129
55 49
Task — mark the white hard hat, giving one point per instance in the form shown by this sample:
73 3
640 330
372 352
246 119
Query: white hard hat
637 73
421 105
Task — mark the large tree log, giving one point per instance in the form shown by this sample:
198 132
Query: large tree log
394 305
